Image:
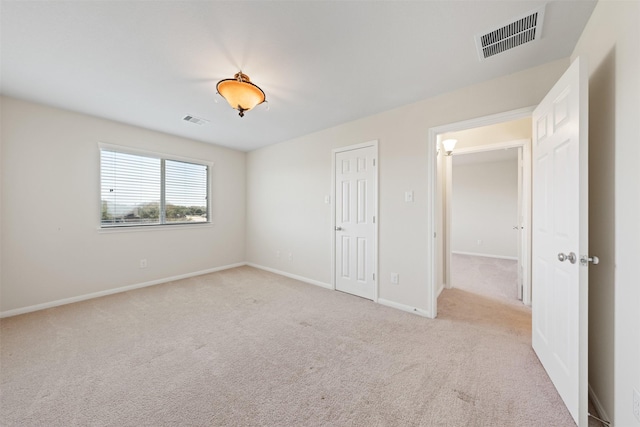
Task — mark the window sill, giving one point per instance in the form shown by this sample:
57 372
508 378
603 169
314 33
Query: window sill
146 228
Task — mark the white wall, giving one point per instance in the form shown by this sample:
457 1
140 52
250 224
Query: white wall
287 183
485 208
611 42
51 246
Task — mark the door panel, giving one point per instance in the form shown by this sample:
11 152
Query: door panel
560 228
345 258
355 177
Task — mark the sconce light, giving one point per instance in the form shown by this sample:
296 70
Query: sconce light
448 145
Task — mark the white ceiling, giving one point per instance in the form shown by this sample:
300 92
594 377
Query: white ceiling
320 63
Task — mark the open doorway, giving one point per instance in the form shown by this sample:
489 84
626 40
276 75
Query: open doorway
486 202
486 222
559 320
501 132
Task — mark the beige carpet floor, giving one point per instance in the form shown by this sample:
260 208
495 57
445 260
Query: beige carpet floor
496 279
492 277
244 347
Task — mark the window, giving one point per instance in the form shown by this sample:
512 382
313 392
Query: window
140 190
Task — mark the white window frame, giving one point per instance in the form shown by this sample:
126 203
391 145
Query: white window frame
158 155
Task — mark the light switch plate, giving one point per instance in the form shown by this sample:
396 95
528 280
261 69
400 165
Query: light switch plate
408 196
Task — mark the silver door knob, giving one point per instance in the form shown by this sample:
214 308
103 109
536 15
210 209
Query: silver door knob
571 257
338 228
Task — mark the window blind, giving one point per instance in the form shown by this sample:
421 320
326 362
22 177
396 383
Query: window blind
146 190
185 191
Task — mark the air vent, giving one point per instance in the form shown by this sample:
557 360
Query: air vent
196 120
518 32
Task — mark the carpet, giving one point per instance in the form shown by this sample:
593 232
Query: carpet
492 277
244 347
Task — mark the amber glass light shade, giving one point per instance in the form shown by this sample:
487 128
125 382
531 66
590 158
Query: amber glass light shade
240 93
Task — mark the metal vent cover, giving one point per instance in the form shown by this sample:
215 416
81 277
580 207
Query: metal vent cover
522 30
194 119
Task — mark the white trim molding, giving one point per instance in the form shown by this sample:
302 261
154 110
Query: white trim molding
292 276
57 303
99 294
510 258
433 204
387 303
516 143
403 307
482 121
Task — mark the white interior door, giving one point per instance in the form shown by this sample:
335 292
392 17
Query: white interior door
560 237
355 214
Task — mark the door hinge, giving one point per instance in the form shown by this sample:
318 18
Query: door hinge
374 277
374 162
374 219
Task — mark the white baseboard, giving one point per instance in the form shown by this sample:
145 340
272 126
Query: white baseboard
85 297
403 307
292 276
511 258
380 301
596 402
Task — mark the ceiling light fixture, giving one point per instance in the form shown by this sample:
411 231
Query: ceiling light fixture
240 93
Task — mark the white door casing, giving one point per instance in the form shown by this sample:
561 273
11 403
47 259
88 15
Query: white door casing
519 226
434 235
355 195
560 230
447 218
522 222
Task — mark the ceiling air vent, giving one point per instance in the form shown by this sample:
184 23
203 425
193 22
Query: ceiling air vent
196 120
520 31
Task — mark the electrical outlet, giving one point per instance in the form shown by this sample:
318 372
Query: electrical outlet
277 254
636 404
143 263
395 278
479 242
290 256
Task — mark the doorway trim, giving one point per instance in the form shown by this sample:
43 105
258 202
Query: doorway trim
434 222
334 152
524 209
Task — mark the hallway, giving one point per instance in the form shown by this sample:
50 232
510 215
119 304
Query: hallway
490 277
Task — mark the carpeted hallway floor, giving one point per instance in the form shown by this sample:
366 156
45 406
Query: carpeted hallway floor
244 347
491 277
